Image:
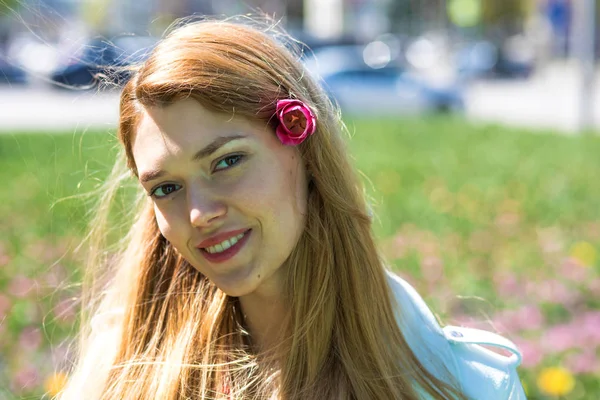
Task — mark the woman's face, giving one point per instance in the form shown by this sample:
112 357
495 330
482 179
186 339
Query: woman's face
227 194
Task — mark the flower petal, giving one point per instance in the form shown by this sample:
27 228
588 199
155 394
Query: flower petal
292 115
287 139
285 102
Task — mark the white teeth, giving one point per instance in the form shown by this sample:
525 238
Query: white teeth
225 244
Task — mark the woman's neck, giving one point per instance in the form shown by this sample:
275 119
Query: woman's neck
264 315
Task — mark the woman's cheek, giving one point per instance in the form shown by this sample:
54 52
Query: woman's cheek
251 193
164 224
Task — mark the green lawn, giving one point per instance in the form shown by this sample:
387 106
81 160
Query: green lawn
506 219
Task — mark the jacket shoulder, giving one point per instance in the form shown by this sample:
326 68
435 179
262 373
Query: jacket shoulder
457 354
484 373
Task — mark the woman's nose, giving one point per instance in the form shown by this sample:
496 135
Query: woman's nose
205 210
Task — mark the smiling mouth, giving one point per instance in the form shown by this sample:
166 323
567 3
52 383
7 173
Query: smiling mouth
226 249
224 245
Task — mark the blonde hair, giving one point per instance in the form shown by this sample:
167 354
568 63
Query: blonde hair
163 330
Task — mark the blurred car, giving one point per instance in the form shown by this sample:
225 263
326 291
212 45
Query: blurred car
11 73
106 59
367 80
305 44
483 59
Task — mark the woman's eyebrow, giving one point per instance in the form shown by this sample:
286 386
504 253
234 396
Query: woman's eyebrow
151 175
214 146
203 153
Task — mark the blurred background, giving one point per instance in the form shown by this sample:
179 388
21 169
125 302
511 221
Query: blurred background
473 121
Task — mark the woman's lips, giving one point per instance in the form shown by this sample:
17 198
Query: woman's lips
228 253
218 238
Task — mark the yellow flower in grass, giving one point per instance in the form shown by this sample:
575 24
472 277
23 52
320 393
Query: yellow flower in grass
584 252
555 381
55 383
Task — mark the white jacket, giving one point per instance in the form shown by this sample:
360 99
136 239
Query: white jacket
456 351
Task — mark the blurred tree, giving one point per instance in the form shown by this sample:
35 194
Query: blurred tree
402 10
506 17
501 19
413 15
294 13
464 13
8 6
7 9
95 13
496 11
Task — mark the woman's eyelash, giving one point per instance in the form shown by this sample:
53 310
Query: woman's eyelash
166 189
233 160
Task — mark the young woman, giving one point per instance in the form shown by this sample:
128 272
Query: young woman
250 271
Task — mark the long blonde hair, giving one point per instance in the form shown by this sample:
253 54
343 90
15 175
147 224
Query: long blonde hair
162 330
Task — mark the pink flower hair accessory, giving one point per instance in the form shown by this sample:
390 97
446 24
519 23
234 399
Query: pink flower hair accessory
296 122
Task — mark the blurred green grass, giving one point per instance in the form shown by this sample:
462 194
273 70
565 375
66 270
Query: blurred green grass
41 172
479 196
555 177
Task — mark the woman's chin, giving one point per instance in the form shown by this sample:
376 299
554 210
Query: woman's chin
237 283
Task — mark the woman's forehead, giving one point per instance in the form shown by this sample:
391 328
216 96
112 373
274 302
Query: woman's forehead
188 119
186 127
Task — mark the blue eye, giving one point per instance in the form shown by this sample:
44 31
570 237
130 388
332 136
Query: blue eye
165 190
228 161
